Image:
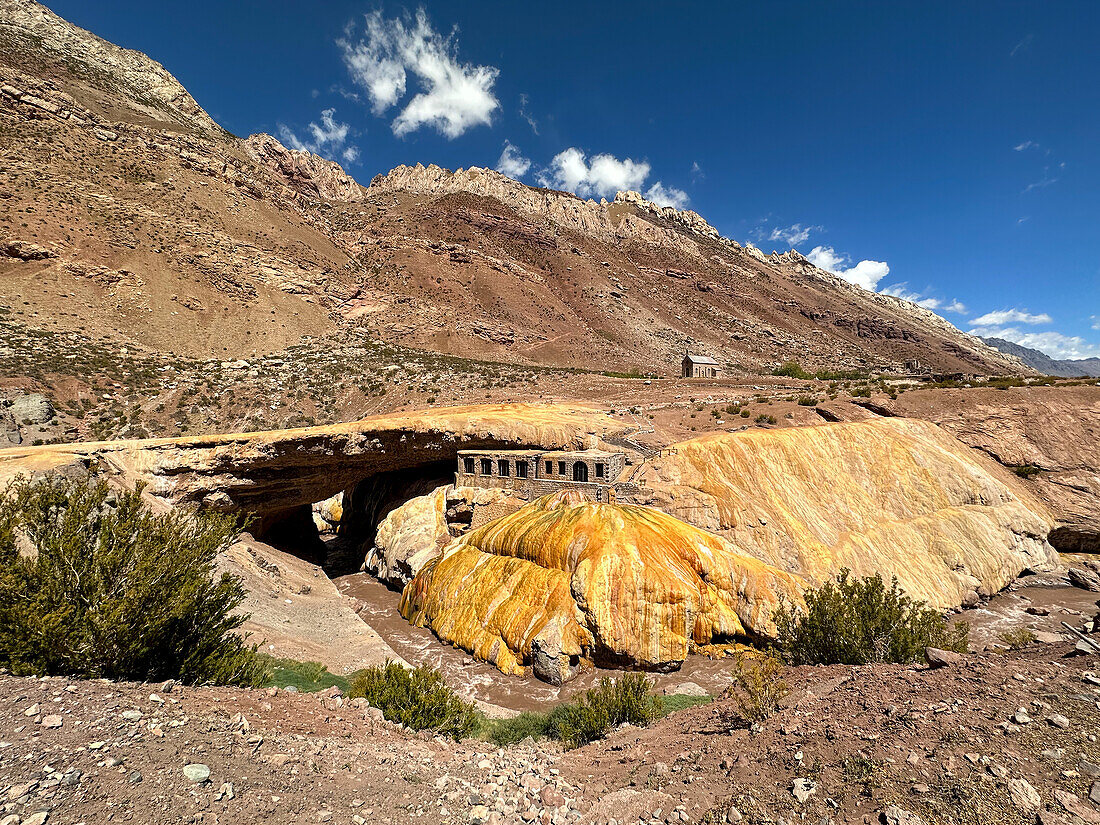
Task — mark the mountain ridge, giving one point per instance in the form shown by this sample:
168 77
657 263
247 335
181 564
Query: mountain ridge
1040 361
160 229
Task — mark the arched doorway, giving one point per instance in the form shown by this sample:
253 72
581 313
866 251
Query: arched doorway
580 471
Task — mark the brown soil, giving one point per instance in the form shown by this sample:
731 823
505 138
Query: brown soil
939 743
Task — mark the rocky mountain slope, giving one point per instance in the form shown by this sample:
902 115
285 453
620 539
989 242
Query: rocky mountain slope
129 214
1040 361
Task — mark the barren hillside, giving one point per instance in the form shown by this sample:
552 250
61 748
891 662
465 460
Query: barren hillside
128 213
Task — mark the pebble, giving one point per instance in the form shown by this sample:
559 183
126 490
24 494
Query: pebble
1059 721
131 715
52 721
37 818
1021 717
32 710
803 789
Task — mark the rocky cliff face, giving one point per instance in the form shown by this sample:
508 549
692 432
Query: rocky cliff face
305 172
565 581
92 60
894 496
1051 433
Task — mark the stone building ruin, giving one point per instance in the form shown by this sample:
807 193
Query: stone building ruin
534 473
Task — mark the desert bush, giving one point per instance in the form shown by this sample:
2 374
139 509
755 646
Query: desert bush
94 584
791 369
807 401
857 621
756 692
758 686
595 712
1017 638
418 699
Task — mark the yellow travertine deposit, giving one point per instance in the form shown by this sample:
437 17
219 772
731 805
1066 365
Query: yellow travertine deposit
565 580
895 496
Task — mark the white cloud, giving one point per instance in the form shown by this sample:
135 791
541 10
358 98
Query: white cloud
866 274
526 115
1011 316
512 163
901 290
1027 144
696 171
604 176
667 196
792 235
327 138
1054 344
1043 182
1095 321
1023 45
454 96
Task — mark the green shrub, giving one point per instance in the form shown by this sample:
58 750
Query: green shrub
807 401
103 587
418 699
611 703
764 418
855 622
758 687
791 369
526 725
1026 470
1017 638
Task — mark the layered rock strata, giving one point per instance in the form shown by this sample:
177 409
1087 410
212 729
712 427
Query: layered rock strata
896 496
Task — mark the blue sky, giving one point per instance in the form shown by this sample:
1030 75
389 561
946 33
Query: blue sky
956 145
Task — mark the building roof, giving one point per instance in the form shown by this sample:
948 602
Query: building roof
701 359
557 454
490 452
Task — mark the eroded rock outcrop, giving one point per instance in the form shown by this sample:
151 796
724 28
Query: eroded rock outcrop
143 79
408 538
304 171
896 496
564 581
748 519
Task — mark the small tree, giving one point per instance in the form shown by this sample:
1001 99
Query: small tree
96 585
856 622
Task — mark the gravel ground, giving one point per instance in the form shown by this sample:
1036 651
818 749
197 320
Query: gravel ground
997 738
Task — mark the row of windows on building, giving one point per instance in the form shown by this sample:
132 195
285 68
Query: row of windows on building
504 468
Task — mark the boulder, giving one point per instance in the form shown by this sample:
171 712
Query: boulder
34 408
409 537
1084 578
937 658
